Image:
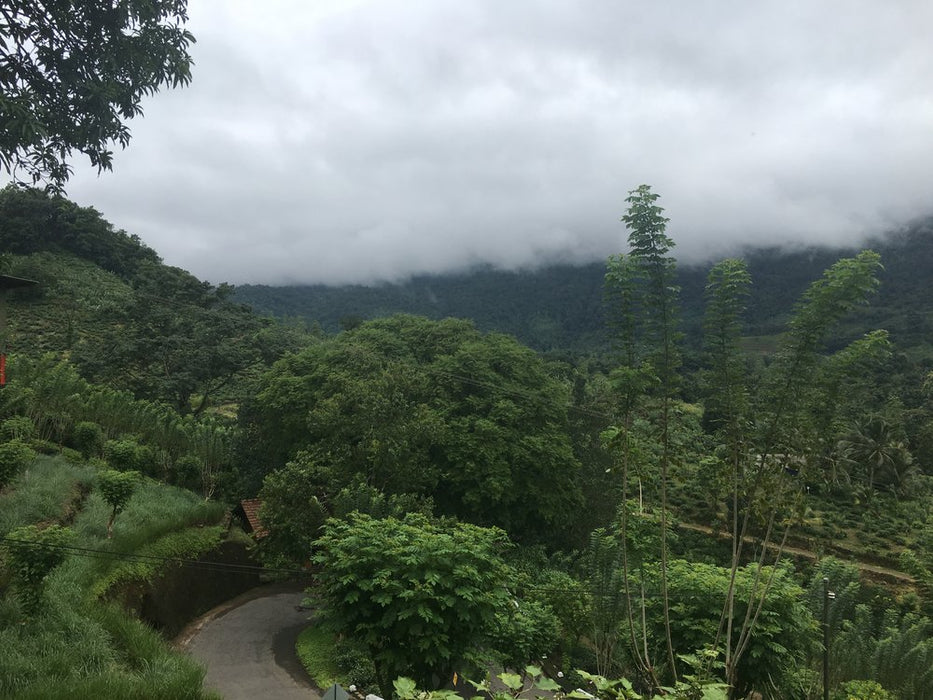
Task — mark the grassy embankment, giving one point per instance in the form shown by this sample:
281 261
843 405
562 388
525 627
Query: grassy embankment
79 645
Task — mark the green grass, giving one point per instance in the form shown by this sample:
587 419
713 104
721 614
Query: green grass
78 646
41 492
330 661
184 544
315 647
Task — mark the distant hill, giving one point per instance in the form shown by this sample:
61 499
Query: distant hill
561 307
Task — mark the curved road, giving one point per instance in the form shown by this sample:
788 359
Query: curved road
248 646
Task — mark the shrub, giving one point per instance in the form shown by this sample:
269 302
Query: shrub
525 632
146 461
46 447
354 664
122 455
71 455
88 438
188 471
17 428
861 690
15 456
31 555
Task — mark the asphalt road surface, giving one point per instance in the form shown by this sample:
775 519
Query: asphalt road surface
248 646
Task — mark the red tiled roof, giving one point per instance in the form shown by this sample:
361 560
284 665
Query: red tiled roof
250 508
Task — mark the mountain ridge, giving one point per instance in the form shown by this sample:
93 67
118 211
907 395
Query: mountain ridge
560 307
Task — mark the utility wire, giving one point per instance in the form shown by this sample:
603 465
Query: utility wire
112 555
200 564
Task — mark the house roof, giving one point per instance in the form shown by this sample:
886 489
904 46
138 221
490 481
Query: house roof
250 508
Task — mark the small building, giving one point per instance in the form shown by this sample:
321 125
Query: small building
247 512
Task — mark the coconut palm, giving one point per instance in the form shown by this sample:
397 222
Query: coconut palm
875 447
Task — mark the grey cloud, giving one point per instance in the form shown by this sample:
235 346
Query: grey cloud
374 140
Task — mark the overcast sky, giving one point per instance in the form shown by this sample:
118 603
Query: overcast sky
352 141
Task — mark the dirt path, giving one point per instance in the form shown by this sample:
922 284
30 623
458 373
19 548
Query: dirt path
247 646
872 570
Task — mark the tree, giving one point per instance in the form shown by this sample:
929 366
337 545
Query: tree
36 221
727 291
71 74
727 399
784 436
643 283
785 632
117 489
762 436
179 340
292 511
431 408
420 596
876 448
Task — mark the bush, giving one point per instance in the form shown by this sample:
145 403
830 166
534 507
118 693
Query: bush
861 690
46 447
123 455
15 456
355 664
72 455
31 555
88 438
524 633
17 428
146 461
188 471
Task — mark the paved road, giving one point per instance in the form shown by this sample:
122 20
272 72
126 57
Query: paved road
248 647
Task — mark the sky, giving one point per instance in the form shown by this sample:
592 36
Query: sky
359 141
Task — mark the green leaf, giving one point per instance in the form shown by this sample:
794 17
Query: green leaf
512 681
404 688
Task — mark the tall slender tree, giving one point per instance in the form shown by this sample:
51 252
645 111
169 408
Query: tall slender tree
727 290
644 283
778 432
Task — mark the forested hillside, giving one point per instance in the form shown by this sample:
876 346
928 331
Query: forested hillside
117 453
106 300
561 307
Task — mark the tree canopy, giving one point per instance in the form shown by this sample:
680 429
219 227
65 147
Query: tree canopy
33 221
419 596
72 73
433 408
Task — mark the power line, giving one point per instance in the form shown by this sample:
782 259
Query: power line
112 555
200 564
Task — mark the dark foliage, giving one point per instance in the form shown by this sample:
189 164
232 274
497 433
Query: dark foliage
72 73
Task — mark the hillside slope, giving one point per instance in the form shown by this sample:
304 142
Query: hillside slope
561 307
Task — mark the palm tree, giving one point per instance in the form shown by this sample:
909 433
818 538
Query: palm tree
876 447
